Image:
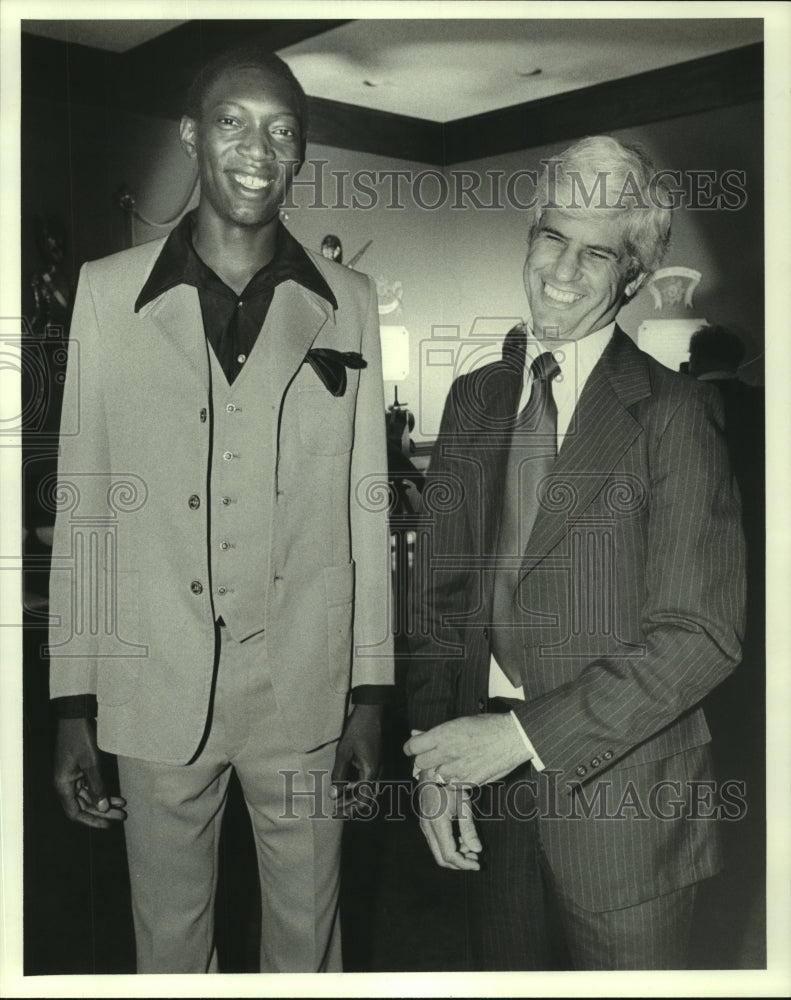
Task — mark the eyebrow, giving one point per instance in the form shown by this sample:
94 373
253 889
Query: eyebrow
229 104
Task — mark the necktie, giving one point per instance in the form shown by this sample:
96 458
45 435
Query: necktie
531 457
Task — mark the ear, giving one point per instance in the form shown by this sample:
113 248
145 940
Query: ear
634 284
188 134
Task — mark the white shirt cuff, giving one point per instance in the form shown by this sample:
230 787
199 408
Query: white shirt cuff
535 760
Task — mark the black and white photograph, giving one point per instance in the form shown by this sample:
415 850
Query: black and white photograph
394 451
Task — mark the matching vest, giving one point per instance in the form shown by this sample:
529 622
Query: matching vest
241 494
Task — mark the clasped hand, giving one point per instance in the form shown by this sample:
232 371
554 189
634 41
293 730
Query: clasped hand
451 757
471 750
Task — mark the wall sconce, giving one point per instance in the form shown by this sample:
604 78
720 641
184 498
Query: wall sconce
395 353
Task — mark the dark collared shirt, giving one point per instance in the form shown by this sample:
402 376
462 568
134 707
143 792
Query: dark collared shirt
231 322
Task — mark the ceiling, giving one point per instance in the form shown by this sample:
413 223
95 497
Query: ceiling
441 70
110 35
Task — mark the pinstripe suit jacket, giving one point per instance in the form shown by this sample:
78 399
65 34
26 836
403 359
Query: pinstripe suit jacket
630 605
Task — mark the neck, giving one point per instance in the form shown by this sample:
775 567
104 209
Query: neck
235 253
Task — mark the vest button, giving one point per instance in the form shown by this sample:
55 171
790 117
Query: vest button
241 358
196 587
194 501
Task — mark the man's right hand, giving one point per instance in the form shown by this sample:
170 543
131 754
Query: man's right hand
78 780
438 806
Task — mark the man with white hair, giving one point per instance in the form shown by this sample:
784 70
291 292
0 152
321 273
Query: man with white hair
585 592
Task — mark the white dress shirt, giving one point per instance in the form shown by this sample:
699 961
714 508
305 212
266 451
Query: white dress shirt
576 359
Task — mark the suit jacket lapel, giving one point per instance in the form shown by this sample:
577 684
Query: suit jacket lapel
293 322
601 430
178 314
500 390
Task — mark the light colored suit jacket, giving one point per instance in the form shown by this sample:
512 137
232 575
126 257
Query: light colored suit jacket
131 595
630 604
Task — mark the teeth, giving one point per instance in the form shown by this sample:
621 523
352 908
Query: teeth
251 182
558 296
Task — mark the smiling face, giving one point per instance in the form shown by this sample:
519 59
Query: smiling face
246 141
577 273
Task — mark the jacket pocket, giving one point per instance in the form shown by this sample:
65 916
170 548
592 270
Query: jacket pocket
326 422
339 593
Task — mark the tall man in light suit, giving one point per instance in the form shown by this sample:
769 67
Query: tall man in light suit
219 583
587 577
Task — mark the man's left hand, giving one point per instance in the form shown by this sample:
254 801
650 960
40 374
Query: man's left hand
360 748
473 749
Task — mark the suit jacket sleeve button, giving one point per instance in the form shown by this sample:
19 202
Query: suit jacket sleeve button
596 761
196 587
582 771
607 755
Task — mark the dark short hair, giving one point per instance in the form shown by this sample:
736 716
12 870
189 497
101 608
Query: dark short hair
253 53
717 344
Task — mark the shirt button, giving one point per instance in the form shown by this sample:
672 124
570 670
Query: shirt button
194 501
230 408
203 414
241 358
196 587
228 455
225 546
222 590
226 501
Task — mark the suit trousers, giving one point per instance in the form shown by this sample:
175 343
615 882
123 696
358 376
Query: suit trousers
507 897
174 822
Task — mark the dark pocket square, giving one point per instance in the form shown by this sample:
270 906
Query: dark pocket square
330 366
